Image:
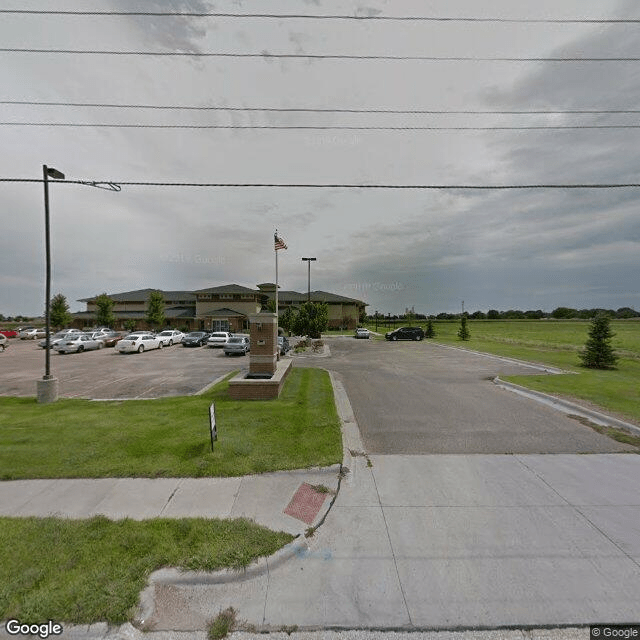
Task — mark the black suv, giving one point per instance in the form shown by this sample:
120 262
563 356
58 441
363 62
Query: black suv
405 333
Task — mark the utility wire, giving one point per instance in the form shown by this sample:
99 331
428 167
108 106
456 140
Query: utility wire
320 110
266 55
314 127
308 16
279 185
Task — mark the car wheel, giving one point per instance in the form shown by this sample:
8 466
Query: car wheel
419 338
160 345
171 343
1 347
141 348
100 345
394 338
80 349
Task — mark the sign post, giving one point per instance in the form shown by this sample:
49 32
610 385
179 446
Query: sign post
212 424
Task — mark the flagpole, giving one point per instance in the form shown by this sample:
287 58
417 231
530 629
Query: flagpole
276 250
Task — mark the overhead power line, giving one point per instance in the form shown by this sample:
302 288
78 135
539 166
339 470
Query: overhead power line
102 105
316 56
308 16
314 127
281 185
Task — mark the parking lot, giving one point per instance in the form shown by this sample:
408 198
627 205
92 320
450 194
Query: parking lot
106 374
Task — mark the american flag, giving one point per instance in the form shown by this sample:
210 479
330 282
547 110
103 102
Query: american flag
279 242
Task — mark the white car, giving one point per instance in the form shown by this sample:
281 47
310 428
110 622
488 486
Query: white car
56 338
170 337
32 334
3 342
79 343
362 333
138 343
218 339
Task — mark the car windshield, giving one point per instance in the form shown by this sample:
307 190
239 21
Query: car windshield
132 337
218 335
236 340
165 333
196 334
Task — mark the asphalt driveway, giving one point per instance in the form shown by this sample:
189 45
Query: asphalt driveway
420 397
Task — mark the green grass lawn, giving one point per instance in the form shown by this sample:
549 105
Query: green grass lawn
169 437
85 571
558 343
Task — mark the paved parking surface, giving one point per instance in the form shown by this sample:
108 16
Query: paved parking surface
420 397
103 374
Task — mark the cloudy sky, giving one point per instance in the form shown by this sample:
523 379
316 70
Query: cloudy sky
427 248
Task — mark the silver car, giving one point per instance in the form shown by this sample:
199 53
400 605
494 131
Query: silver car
56 338
236 345
79 343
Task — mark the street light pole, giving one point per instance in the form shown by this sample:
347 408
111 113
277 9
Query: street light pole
309 261
47 391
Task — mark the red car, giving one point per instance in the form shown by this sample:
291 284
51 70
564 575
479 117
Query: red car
10 333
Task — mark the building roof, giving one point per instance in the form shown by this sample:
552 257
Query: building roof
142 295
316 296
225 313
227 288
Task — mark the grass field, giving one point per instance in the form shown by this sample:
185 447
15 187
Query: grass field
169 437
85 571
558 343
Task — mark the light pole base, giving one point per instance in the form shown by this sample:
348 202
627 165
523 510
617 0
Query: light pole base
47 390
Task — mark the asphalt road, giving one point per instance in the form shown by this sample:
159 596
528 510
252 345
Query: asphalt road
422 398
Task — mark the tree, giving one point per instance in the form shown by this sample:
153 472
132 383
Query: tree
130 325
463 331
104 311
429 332
598 352
155 310
493 314
287 319
312 319
59 314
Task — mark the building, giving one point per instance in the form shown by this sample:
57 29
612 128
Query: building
223 308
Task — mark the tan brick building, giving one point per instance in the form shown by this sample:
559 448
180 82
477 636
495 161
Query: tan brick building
222 308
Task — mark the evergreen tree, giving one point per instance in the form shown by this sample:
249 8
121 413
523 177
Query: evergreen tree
463 331
429 331
155 310
104 311
598 352
59 314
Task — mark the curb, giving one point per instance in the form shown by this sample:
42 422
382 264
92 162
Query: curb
351 441
567 407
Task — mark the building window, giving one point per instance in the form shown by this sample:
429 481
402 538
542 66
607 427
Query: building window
220 325
226 296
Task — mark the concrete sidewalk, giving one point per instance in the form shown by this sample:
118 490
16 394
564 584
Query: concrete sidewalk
263 498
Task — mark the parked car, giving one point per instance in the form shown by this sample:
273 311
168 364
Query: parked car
362 333
169 337
9 333
195 339
110 338
3 342
405 333
79 343
218 338
56 338
32 334
236 345
283 345
138 342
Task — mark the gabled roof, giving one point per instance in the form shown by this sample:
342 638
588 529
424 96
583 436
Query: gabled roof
227 288
225 313
142 295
